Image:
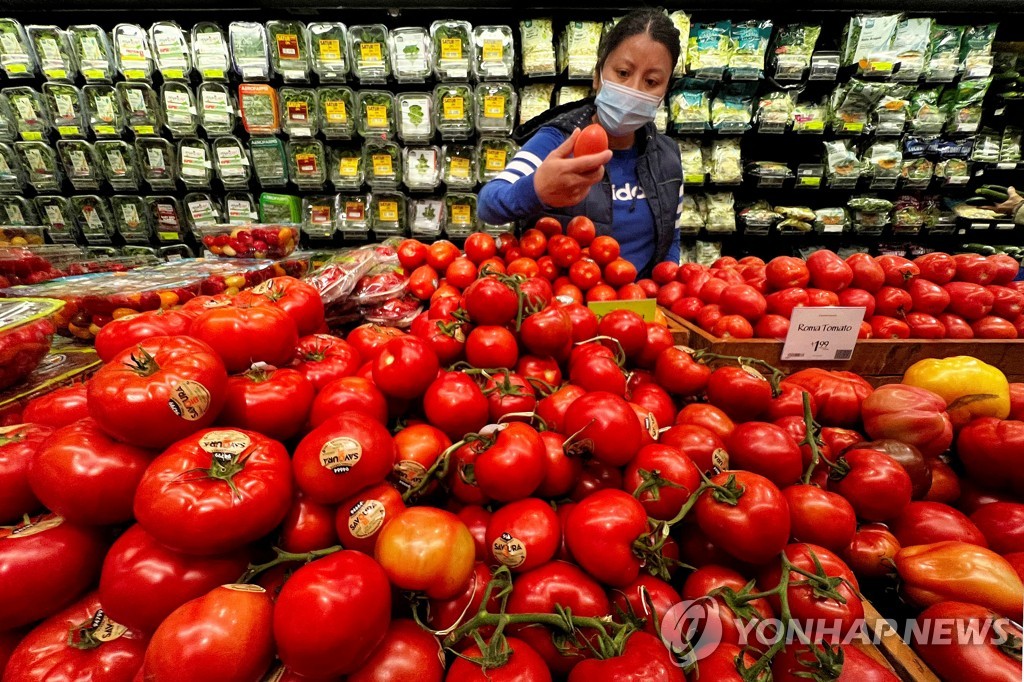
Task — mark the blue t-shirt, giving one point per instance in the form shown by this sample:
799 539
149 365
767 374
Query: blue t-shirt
632 218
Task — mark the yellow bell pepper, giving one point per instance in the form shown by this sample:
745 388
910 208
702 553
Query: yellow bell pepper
970 387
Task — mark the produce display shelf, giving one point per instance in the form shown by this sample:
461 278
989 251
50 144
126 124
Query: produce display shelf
892 651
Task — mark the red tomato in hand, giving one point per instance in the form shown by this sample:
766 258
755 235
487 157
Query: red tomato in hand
592 140
274 402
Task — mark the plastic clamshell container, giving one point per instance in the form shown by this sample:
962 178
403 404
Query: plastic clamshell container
250 52
26 331
18 213
64 102
93 216
12 175
328 49
411 54
337 111
368 53
347 171
32 118
132 218
289 50
210 51
250 241
258 104
16 57
376 113
170 48
453 48
300 112
103 109
195 162
142 108
81 165
40 161
422 167
454 110
53 52
268 161
494 52
216 108
119 162
180 114
55 213
231 161
131 50
94 53
415 116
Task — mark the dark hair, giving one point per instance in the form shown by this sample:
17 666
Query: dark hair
651 22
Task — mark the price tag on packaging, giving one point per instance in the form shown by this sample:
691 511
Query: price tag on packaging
827 333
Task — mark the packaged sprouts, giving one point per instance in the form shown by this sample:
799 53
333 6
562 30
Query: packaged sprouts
53 52
103 109
289 50
581 40
494 52
726 161
494 154
382 161
250 53
210 51
142 108
411 54
337 111
231 161
495 108
453 106
534 101
131 50
376 113
415 116
538 41
180 114
65 105
118 161
31 116
170 48
158 161
40 163
328 46
368 51
268 161
195 162
459 166
307 163
15 55
299 112
453 45
80 165
258 104
422 167
347 168
216 109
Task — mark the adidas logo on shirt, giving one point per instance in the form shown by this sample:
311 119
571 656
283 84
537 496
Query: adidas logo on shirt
628 192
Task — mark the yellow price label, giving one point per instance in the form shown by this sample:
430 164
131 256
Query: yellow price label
68 131
105 130
144 130
135 74
168 236
56 74
810 181
881 66
16 68
376 116
494 160
814 125
174 74
453 109
336 112
451 48
461 214
330 50
92 74
494 106
853 127
693 179
213 73
371 52
382 165
494 51
348 167
31 135
460 168
387 211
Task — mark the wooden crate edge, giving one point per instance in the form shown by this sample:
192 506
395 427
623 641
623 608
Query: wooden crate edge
897 653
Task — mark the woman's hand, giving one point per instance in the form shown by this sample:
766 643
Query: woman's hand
1010 205
562 180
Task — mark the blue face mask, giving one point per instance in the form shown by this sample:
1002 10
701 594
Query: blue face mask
622 110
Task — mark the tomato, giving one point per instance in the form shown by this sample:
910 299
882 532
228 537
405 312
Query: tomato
626 327
492 347
1002 524
898 270
591 140
407 652
765 449
668 463
732 326
604 425
405 367
838 395
68 647
647 599
754 529
992 657
1008 303
945 485
308 526
871 551
785 271
974 268
585 274
524 664
644 657
423 282
884 327
369 339
867 273
821 297
927 297
361 517
581 228
922 523
991 451
956 327
512 466
58 408
479 247
909 414
322 359
548 332
839 662
18 446
455 404
604 250
645 288
87 477
654 399
126 332
619 272
936 267
600 532
412 253
441 253
243 336
348 394
45 564
744 300
722 664
828 271
876 485
523 535
665 272
159 391
892 302
924 326
509 394
783 302
553 408
992 327
300 300
427 550
820 517
970 301
909 458
445 613
274 402
743 393
707 416
696 442
858 298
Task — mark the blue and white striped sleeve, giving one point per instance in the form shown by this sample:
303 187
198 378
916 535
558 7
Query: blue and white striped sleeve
674 250
511 195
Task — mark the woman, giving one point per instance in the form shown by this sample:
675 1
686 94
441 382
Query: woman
632 191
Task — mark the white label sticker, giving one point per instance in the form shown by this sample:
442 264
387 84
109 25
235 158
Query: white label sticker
12 46
79 164
116 162
156 159
130 215
91 49
25 108
5 169
131 48
35 160
15 215
65 106
92 217
193 161
51 52
105 108
136 100
54 216
238 208
825 333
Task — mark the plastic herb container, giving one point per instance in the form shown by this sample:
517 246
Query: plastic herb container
495 107
289 50
454 110
158 161
8 126
426 216
119 164
415 116
15 54
422 167
347 170
26 330
93 53
30 113
93 217
170 48
453 45
328 47
299 112
460 214
132 218
318 219
459 166
53 52
80 164
280 208
131 50
411 54
12 176
493 52
250 53
142 108
387 213
353 215
210 51
40 161
180 114
259 109
64 103
216 109
167 218
494 154
383 163
103 108
336 111
376 113
368 53
231 161
201 210
195 165
307 163
268 161
17 212
55 213
240 208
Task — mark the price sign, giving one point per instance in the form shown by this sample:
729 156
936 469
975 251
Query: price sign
828 333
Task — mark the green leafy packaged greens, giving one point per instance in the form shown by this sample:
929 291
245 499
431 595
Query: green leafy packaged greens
40 163
268 161
103 108
280 208
194 162
910 46
289 50
689 105
411 54
132 218
890 115
681 20
55 213
368 50
318 219
534 100
300 115
201 209
852 103
493 52
794 45
142 108
926 115
210 51
943 58
328 46
749 48
459 165
167 218
250 52
131 50
8 124
170 49
963 104
158 160
426 216
231 162
216 108
415 116
12 176
538 44
422 167
17 212
307 163
30 112
453 110
240 208
180 114
80 164
92 215
382 161
15 54
581 42
337 111
976 50
495 107
733 107
868 40
347 168
453 44
258 104
709 47
883 159
460 214
353 215
53 52
118 161
841 162
376 113
64 103
387 213
494 154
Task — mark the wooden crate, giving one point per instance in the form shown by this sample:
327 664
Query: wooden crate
879 361
892 651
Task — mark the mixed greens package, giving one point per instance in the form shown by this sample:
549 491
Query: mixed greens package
411 54
158 160
289 50
180 113
16 58
382 160
64 103
300 114
538 44
749 47
337 111
103 109
118 161
347 168
53 52
494 52
268 161
210 51
733 107
689 105
793 47
142 108
171 51
454 110
216 108
250 52
709 47
307 163
80 164
368 47
328 47
453 44
132 52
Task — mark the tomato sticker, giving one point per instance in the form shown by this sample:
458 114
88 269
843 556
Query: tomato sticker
340 454
410 473
104 629
263 287
225 446
365 518
509 551
651 424
720 459
242 587
33 528
190 400
752 372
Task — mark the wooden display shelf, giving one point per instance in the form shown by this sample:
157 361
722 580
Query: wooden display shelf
891 651
877 360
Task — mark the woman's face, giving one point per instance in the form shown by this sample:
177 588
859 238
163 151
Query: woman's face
639 63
